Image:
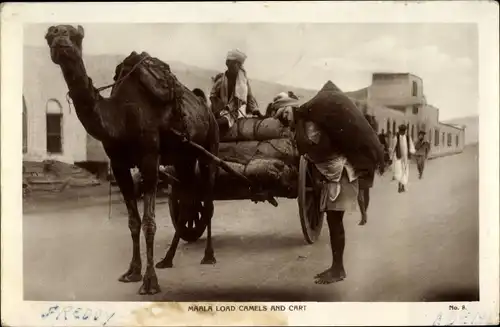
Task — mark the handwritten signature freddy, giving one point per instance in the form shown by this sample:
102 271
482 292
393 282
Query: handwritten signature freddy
77 313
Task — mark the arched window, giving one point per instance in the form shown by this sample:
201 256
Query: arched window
413 131
414 89
25 127
54 121
388 127
394 130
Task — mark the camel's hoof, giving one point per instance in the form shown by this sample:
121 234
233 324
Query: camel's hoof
150 286
130 277
208 260
164 264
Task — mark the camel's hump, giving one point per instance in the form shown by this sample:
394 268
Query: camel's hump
154 74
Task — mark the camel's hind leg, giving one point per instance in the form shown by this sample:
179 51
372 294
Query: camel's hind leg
208 175
149 169
185 170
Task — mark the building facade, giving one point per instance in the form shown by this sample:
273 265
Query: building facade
398 98
51 128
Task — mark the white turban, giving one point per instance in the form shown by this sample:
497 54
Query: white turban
283 104
283 99
236 55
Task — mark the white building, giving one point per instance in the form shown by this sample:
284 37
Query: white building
51 129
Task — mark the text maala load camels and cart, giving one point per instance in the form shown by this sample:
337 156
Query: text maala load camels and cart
151 119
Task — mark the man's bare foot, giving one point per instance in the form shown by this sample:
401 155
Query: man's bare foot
363 220
330 276
340 272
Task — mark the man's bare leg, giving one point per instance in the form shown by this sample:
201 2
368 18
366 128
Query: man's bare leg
336 272
363 201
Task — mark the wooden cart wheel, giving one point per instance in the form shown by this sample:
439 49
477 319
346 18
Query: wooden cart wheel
311 219
194 226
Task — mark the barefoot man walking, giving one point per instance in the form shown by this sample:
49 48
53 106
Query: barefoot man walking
340 186
365 180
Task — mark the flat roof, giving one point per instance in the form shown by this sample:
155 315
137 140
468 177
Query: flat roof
395 74
461 127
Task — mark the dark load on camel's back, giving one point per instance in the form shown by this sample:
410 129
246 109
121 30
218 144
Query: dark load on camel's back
348 130
154 75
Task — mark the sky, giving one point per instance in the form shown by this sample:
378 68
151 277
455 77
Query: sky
445 56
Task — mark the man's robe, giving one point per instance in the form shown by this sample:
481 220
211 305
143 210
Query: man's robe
232 97
401 162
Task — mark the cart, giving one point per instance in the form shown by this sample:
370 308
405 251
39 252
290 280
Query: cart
307 192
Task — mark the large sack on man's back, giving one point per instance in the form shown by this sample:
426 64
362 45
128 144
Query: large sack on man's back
347 128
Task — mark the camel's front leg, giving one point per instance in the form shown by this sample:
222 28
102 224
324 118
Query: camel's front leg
209 257
126 185
150 178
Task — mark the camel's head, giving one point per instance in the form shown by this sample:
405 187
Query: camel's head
65 42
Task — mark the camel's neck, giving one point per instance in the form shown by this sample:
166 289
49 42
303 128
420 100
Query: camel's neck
86 99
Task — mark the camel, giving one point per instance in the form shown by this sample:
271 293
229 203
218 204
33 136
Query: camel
137 129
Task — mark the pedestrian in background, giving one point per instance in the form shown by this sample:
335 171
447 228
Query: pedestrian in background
422 148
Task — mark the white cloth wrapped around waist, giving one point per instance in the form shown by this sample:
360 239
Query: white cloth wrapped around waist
333 167
339 177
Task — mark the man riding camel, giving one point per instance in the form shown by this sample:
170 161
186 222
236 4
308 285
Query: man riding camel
231 94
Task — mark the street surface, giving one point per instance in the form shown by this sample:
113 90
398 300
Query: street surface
422 245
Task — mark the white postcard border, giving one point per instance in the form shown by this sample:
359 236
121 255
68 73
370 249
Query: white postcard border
17 312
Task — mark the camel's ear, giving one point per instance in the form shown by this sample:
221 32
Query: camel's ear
81 31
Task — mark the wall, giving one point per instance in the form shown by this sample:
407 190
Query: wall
43 81
389 86
396 91
443 148
429 115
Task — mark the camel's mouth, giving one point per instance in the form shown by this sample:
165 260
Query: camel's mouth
58 51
